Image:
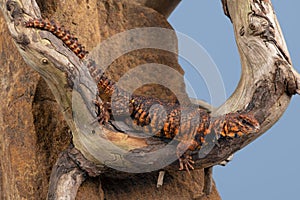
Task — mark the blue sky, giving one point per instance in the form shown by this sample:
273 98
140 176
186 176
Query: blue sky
268 168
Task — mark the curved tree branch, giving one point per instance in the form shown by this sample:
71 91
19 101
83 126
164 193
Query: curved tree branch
265 63
266 66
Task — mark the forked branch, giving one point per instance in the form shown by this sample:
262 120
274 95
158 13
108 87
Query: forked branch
266 67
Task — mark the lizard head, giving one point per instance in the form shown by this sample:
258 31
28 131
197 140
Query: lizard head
238 124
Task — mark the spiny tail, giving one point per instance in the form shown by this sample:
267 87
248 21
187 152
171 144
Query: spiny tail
61 33
106 87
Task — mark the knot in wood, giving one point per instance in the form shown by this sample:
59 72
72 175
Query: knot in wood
15 9
22 39
256 28
242 31
261 25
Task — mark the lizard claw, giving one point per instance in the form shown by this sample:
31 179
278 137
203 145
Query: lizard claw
103 114
186 162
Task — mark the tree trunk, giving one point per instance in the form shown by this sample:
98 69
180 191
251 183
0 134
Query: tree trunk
33 130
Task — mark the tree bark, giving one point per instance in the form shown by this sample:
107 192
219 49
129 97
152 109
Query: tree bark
33 130
266 67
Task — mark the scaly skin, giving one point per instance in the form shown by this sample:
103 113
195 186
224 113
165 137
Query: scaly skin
187 124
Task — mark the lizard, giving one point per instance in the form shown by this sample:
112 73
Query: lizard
189 124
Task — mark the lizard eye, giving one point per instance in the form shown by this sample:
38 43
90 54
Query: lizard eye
245 122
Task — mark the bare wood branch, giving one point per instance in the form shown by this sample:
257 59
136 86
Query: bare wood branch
47 55
65 179
264 58
266 66
263 53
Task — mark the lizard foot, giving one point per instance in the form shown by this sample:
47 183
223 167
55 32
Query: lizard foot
103 114
186 162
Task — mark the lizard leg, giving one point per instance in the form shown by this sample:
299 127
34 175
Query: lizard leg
103 111
185 160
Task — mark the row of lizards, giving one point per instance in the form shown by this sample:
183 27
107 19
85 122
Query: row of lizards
190 125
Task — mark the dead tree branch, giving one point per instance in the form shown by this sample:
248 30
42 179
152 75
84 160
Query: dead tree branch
266 67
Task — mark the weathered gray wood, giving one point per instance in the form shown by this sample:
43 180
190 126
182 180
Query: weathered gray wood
42 59
268 78
266 63
66 178
266 67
